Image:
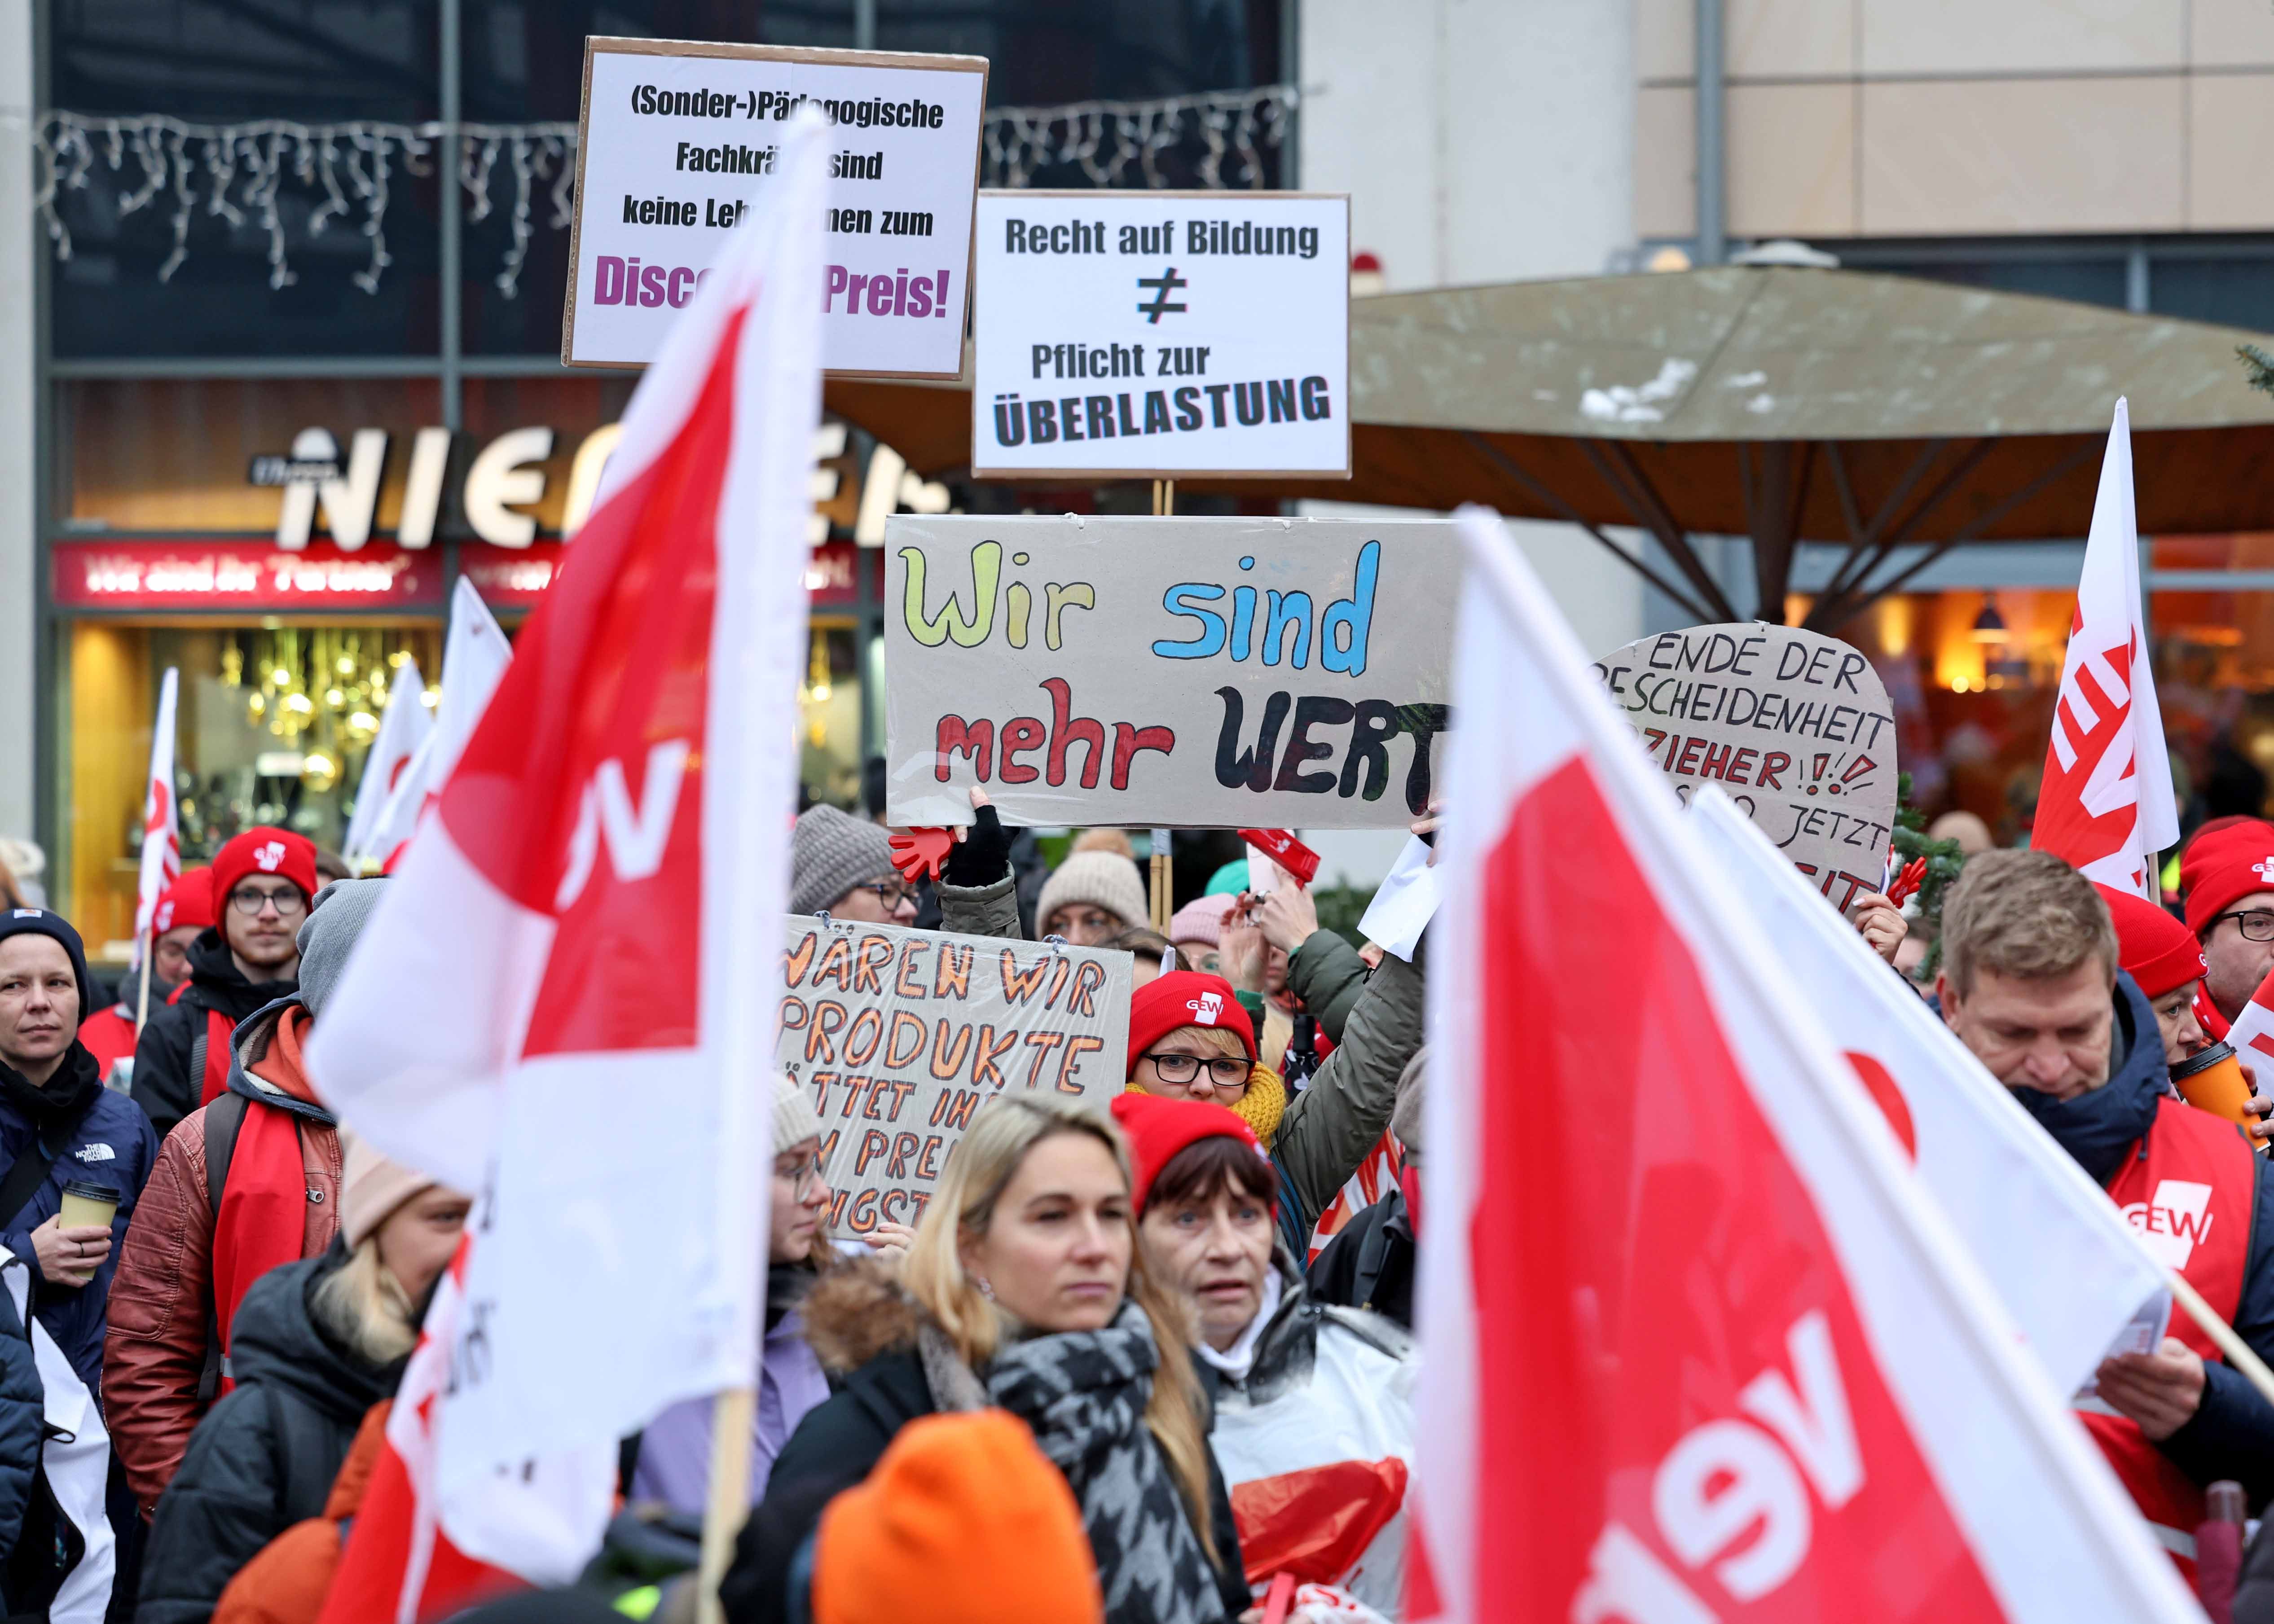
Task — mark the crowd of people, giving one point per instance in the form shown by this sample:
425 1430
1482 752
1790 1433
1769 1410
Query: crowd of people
1142 1364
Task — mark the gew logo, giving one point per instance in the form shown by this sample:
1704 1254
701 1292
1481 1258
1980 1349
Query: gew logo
635 831
2172 1220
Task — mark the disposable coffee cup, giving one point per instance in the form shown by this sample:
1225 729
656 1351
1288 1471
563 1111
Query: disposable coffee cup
87 1205
2212 1079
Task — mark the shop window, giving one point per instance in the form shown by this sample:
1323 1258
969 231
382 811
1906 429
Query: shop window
272 726
2237 293
829 709
2215 677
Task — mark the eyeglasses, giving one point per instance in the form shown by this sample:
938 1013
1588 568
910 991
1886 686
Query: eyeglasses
250 899
2256 924
1181 1069
807 1172
890 893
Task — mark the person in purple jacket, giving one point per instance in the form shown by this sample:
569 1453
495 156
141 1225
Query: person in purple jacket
674 1461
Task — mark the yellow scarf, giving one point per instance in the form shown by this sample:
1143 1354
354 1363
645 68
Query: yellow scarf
1261 1107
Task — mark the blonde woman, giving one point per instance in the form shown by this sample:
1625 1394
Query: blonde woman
316 1344
1023 1290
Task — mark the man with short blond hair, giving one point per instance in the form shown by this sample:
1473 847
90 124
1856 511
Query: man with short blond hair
2030 983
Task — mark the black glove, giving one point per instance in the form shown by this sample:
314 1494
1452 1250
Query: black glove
983 857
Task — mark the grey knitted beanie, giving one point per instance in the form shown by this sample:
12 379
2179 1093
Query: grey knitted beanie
340 911
830 852
1100 877
1413 1089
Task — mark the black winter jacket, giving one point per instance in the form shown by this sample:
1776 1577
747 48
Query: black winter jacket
265 1456
22 1433
166 1084
1369 1263
839 1442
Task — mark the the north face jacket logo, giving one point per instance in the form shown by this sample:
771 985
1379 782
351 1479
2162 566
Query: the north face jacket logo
269 856
2172 1220
96 1153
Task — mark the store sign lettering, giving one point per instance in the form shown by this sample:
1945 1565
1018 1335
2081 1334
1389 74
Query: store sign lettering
204 574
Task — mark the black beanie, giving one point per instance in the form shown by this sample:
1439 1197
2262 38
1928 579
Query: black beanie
40 923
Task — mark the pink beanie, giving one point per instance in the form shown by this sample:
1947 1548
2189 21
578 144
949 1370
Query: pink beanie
1201 919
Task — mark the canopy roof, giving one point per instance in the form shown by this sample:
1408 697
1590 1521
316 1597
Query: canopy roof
1782 404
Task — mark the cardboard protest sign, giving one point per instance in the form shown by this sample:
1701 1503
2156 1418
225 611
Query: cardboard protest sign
678 140
1794 725
899 1036
1204 672
1162 334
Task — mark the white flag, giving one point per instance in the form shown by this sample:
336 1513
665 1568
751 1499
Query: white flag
161 819
2105 804
401 730
474 658
1698 1345
565 1002
2067 1266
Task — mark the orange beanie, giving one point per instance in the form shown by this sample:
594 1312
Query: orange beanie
963 1522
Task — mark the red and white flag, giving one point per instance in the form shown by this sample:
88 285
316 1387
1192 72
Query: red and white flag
474 660
161 819
402 729
2074 1276
2105 803
1697 1346
2252 1034
563 1002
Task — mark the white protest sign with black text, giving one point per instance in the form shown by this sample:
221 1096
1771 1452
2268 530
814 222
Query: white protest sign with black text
899 1036
1795 725
1286 674
1164 333
680 140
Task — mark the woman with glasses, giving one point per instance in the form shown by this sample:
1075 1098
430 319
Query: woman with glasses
1191 1039
671 1459
263 882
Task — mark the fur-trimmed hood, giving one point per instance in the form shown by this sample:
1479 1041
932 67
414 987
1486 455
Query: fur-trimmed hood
857 1311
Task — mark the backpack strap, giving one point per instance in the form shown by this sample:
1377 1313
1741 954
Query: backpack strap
223 1120
25 1176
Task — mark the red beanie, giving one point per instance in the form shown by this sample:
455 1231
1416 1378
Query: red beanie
264 850
1157 1129
2224 867
187 904
2156 950
1185 998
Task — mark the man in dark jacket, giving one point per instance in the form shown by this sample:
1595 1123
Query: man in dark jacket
58 1126
1370 1263
262 883
2030 984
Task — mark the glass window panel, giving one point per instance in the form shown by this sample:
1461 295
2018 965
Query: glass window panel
2215 676
2088 282
2235 292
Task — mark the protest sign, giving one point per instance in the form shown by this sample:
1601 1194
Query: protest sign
1162 334
899 1036
1795 725
1203 673
679 140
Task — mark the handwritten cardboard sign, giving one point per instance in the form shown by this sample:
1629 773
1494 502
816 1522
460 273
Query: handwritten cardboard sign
1122 335
679 140
899 1036
1225 673
1794 725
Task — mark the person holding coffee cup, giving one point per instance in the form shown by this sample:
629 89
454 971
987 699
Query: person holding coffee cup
59 1127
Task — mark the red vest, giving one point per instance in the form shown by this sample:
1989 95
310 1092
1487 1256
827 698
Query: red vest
2192 1197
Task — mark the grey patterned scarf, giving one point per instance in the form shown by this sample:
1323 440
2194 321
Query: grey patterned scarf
1084 1394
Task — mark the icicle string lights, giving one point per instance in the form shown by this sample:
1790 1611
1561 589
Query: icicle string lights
239 172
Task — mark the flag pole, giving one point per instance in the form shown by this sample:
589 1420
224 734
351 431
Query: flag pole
142 1002
729 1501
2238 1352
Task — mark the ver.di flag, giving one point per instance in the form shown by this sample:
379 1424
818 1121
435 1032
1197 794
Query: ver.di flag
161 819
2106 803
403 730
1698 1345
474 659
563 1004
2076 1278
